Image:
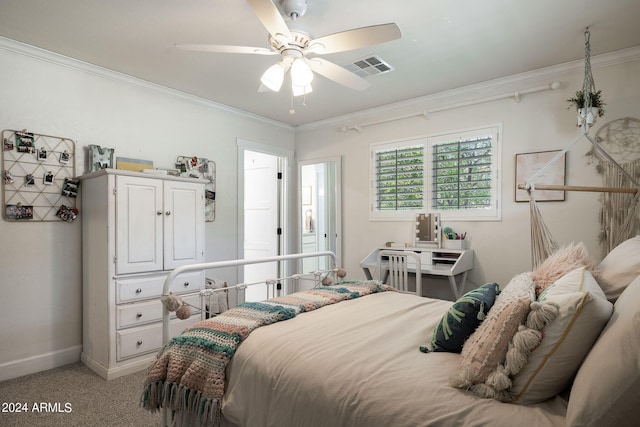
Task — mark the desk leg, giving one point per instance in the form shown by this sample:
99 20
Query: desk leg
369 276
457 288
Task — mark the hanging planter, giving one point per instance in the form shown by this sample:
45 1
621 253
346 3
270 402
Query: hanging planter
587 112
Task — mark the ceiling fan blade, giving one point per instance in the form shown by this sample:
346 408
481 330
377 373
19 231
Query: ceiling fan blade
270 17
221 48
337 73
355 39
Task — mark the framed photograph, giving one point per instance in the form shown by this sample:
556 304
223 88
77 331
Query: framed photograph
48 178
67 214
29 180
7 177
70 187
527 164
18 212
42 155
24 142
306 195
64 157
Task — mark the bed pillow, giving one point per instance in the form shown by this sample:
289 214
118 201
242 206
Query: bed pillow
619 268
559 263
487 346
606 388
462 319
583 311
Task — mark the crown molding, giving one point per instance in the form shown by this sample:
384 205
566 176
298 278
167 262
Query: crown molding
77 65
478 91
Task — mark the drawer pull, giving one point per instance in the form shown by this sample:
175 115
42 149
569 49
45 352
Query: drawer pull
139 315
186 284
139 342
159 212
138 291
167 213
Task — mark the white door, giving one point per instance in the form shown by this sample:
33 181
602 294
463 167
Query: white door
261 219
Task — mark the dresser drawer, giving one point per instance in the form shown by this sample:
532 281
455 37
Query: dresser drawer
141 313
148 339
129 289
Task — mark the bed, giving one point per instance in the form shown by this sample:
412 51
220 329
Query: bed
372 358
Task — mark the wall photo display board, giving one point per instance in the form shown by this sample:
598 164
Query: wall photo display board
200 167
39 181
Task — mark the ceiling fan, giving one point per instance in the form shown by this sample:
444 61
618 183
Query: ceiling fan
296 48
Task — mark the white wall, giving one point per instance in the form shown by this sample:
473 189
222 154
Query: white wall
41 262
539 122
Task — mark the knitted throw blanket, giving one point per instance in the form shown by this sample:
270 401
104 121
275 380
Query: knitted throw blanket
189 372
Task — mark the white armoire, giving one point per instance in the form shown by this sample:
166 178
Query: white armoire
136 227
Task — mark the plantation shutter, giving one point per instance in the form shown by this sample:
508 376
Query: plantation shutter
462 176
400 178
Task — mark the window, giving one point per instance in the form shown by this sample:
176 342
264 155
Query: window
454 174
400 178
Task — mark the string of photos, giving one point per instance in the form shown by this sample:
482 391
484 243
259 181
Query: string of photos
39 180
203 168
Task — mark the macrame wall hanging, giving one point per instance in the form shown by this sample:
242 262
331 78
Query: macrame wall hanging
613 231
619 219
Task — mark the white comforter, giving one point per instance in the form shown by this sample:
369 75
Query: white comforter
357 364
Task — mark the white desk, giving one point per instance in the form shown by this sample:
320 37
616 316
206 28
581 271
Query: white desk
449 263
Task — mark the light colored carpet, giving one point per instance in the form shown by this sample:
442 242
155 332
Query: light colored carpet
73 395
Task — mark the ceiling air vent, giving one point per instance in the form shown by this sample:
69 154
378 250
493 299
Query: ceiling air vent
369 66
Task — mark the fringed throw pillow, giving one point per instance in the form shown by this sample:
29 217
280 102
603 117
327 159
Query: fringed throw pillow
487 347
583 313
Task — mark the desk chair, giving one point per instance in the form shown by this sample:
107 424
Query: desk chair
395 270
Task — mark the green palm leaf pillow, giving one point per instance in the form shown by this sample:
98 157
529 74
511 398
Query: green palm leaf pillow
462 319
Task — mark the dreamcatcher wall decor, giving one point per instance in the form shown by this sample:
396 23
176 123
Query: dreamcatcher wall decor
618 216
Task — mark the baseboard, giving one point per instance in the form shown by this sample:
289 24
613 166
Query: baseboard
118 371
43 362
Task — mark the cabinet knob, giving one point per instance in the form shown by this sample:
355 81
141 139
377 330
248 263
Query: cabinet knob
186 284
159 212
167 213
138 291
139 315
139 342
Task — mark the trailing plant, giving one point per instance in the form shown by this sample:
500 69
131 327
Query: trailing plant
596 101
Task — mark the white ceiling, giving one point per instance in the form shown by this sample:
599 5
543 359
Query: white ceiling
445 44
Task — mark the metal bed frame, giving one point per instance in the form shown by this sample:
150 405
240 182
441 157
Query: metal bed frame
167 417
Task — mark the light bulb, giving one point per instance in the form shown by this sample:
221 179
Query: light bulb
301 74
273 77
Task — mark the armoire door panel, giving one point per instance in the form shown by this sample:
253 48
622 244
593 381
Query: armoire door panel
183 224
139 225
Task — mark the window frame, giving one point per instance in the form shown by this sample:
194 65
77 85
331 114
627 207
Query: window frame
494 213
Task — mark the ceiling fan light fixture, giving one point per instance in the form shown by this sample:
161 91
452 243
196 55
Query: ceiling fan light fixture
301 74
273 77
301 90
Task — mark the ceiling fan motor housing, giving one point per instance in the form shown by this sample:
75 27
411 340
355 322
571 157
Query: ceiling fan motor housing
294 8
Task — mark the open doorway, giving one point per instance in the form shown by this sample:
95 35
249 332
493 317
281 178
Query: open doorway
262 202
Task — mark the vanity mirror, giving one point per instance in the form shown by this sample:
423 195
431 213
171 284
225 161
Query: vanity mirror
427 230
